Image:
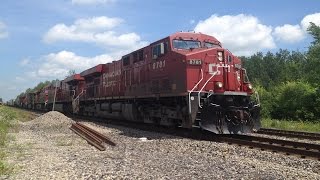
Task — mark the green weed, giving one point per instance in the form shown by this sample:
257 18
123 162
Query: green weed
291 125
8 118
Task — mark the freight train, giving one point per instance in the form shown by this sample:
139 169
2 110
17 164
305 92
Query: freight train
186 79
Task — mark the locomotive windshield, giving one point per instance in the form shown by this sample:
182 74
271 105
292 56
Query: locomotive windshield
210 45
186 44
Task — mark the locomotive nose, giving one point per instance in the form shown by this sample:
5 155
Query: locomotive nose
229 119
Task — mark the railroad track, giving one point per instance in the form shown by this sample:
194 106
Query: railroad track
303 150
292 134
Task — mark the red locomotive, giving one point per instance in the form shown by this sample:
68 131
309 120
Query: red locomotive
186 79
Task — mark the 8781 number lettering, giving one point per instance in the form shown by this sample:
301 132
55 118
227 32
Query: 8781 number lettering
159 64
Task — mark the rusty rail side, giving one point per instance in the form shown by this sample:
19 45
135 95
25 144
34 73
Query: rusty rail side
293 134
91 140
98 134
301 152
93 136
294 144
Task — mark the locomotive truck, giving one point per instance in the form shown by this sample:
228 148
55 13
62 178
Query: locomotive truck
186 79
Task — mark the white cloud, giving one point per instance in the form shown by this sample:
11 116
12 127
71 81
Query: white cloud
3 31
91 2
96 23
57 65
289 33
295 33
24 62
315 18
97 30
19 79
12 88
242 34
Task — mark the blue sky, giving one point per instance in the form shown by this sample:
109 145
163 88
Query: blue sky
42 40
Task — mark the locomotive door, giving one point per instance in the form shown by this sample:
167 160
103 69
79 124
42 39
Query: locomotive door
96 87
230 74
127 79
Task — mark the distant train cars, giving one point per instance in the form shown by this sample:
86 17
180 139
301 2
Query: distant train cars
186 79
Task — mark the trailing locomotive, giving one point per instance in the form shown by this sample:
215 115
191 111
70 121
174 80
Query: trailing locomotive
186 79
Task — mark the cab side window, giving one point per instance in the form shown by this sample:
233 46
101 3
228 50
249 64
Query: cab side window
138 56
159 49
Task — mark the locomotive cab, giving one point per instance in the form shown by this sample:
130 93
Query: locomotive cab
220 96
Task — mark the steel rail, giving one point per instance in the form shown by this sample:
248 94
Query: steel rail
93 136
275 148
89 137
292 134
98 134
294 144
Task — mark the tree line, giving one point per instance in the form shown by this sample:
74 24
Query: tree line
38 87
288 82
41 85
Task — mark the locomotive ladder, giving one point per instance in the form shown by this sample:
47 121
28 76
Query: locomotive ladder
192 90
201 98
76 103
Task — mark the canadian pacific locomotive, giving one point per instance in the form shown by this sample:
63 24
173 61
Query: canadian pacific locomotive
186 79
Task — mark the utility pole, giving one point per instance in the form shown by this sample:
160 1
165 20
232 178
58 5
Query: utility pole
55 94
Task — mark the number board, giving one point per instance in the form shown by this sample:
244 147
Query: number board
195 61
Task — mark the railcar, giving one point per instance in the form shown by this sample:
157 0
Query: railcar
186 79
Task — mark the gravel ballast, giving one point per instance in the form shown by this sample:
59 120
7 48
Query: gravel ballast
45 148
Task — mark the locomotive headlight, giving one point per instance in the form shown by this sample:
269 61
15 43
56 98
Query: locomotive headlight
219 85
238 76
250 86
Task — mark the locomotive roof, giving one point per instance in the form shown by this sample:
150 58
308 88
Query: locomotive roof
92 71
186 36
75 77
194 36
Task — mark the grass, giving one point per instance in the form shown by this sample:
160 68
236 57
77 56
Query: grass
23 115
291 125
8 117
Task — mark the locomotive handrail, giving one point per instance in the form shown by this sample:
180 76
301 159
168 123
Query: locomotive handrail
257 99
78 97
75 101
192 90
246 75
256 92
74 93
213 74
